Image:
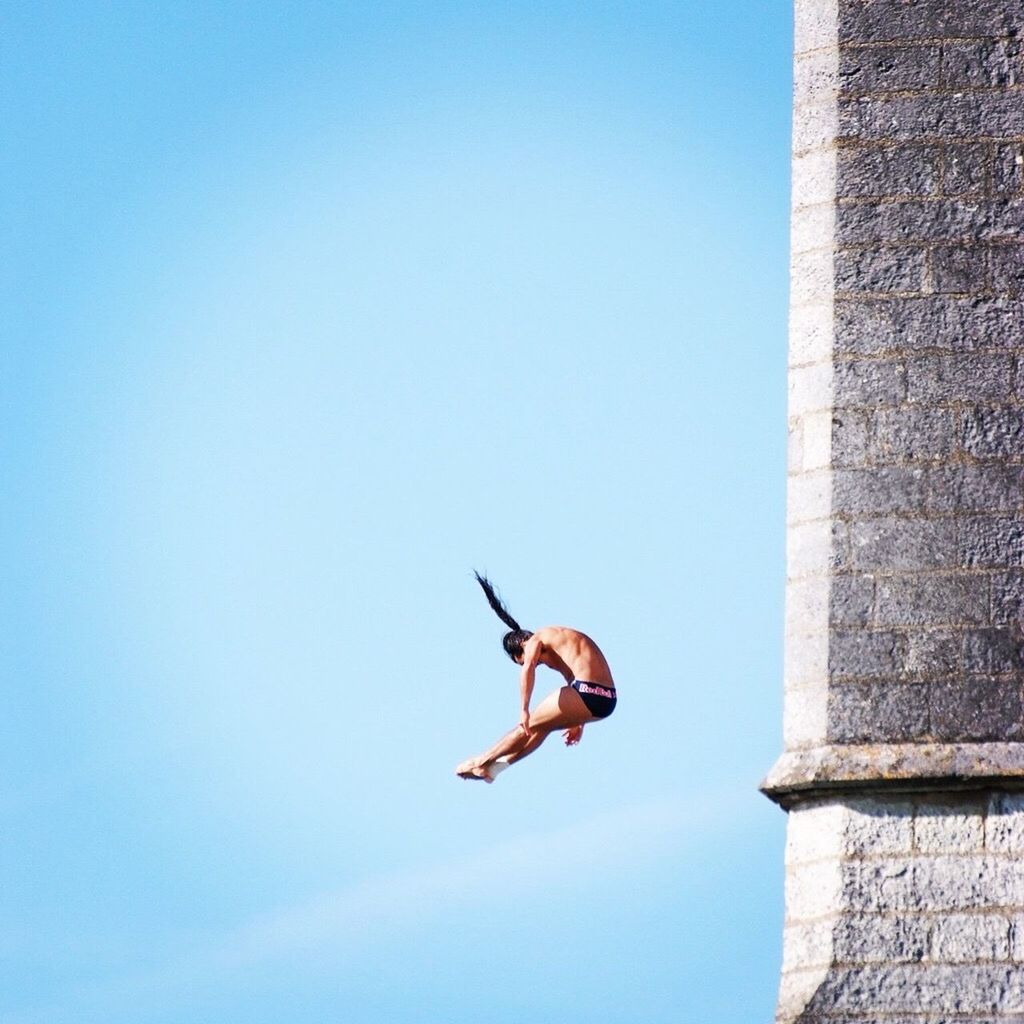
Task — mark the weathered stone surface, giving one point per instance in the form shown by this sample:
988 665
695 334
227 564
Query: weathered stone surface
929 222
933 652
994 651
891 326
963 377
1008 168
854 654
992 541
878 712
852 600
984 62
1007 269
913 433
894 68
932 600
880 270
969 938
904 717
959 269
876 171
895 544
954 826
987 709
965 169
881 21
994 433
930 117
917 921
867 382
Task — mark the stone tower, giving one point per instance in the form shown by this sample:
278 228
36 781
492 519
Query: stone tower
903 768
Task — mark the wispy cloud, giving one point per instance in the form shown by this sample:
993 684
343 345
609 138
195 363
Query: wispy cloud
355 913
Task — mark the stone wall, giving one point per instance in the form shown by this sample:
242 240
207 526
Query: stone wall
904 654
904 910
905 553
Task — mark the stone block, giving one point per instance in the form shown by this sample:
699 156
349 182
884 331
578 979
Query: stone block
1008 168
887 325
914 434
1007 263
970 938
814 832
851 438
814 180
807 605
976 488
877 712
1017 938
809 496
868 938
804 714
871 827
962 377
896 545
868 382
933 600
883 21
991 542
816 547
811 328
1008 598
870 326
807 944
1004 824
810 388
964 990
856 653
812 890
976 710
980 62
956 883
880 171
814 26
925 222
960 269
811 228
994 651
932 653
852 599
888 69
993 433
881 491
954 827
805 660
930 117
812 277
966 169
879 886
880 270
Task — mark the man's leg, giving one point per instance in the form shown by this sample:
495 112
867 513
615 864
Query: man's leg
559 710
510 742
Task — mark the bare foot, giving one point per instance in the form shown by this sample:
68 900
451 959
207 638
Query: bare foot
472 769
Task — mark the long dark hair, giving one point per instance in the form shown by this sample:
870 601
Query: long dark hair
514 639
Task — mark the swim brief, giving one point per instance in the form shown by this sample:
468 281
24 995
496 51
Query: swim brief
600 700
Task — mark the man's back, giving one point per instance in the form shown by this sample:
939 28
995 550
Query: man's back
578 653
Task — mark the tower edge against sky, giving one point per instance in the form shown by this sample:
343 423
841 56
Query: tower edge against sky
903 758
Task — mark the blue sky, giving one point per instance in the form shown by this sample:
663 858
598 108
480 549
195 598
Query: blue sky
312 309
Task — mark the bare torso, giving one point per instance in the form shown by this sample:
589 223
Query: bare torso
573 654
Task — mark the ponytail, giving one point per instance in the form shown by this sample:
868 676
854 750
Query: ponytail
514 639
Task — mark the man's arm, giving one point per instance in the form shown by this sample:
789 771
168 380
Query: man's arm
531 658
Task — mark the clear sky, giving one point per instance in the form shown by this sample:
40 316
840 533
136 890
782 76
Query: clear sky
310 309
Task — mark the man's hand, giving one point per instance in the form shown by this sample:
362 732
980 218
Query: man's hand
524 722
573 735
